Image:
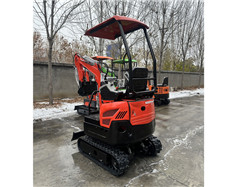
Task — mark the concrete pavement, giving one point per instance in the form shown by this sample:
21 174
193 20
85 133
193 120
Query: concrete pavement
179 126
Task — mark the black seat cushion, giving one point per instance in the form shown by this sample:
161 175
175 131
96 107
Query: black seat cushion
106 94
139 85
165 81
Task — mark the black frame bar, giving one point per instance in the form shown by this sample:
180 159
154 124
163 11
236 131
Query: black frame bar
128 54
92 95
130 61
153 57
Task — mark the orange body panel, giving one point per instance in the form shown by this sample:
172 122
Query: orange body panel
138 112
122 112
107 101
162 90
142 112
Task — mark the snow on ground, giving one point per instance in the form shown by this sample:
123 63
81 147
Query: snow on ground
67 109
56 112
186 93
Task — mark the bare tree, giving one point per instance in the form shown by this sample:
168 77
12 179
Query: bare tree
62 50
200 42
176 30
38 47
94 12
54 16
166 13
186 32
90 14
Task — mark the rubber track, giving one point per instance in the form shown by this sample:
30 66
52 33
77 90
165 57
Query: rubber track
120 156
157 144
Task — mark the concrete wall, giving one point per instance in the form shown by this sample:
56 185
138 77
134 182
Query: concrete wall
64 84
191 79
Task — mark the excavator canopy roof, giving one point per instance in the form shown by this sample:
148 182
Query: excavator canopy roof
109 29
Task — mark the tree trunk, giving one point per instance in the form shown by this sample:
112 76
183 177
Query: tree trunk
161 55
174 65
161 46
50 86
182 75
161 51
199 85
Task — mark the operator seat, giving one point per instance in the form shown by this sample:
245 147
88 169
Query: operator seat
108 94
139 85
164 83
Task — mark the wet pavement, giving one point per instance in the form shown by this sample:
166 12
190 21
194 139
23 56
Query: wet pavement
179 126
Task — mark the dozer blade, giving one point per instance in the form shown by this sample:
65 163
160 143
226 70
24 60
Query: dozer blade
77 135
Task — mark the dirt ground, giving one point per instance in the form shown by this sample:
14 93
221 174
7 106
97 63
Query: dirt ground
179 126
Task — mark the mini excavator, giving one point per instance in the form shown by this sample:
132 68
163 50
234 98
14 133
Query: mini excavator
119 115
161 95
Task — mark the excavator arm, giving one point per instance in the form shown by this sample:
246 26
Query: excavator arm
85 64
88 87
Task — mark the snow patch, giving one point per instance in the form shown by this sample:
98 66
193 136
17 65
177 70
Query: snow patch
43 103
155 171
77 128
186 93
67 99
56 112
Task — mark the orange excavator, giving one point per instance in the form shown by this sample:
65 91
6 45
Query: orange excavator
119 117
162 93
